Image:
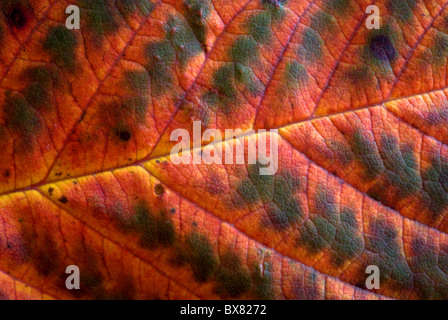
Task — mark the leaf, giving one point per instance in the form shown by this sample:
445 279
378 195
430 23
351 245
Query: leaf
87 179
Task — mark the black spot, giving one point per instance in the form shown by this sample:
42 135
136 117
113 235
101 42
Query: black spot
50 191
381 47
124 135
159 190
17 17
62 199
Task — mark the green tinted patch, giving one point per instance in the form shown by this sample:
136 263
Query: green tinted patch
161 52
322 22
224 92
260 26
430 268
312 45
139 85
277 192
128 7
328 228
319 231
100 19
20 115
435 183
91 278
223 81
340 151
383 243
262 282
197 12
284 209
154 230
337 6
296 75
402 9
348 243
360 75
440 48
244 50
256 187
42 251
233 280
366 153
183 40
61 43
401 164
316 234
199 254
138 81
37 94
41 81
276 8
161 56
247 77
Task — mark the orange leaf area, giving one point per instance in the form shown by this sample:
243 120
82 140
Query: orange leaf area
86 176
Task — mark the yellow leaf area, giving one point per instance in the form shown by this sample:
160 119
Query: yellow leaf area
86 177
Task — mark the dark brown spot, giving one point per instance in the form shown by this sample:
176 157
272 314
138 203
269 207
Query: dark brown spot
17 17
159 190
124 135
63 199
382 48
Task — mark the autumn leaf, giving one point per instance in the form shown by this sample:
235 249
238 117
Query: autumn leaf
86 176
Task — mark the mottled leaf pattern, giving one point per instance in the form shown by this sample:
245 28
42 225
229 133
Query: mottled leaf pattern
86 177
